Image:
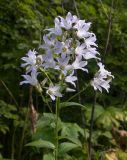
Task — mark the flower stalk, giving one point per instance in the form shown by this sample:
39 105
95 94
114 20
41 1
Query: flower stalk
67 47
91 128
57 129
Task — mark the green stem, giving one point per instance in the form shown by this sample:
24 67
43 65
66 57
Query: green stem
46 75
56 129
10 93
23 135
13 144
78 93
91 129
46 102
25 123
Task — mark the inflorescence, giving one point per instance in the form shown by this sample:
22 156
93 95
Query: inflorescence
67 47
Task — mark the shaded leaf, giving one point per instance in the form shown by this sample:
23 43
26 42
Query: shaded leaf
66 147
41 144
68 104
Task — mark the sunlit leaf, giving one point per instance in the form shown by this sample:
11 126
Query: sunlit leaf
48 156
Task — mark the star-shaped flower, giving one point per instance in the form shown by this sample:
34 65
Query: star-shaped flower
54 91
32 61
82 28
57 30
102 79
68 21
30 79
79 64
71 79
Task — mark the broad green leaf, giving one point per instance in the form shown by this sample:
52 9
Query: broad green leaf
71 130
48 156
98 111
117 113
107 134
41 144
66 147
106 120
73 140
68 104
48 119
45 127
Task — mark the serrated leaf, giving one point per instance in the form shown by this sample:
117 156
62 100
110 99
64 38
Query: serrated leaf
41 144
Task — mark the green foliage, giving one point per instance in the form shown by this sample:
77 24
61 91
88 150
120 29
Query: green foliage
41 144
7 113
48 156
21 29
69 136
66 147
68 104
106 118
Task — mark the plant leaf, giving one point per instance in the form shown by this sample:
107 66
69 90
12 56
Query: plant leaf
41 144
48 156
68 104
73 140
66 147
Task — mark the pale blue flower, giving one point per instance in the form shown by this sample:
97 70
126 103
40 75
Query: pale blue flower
80 49
70 90
68 21
79 64
63 47
66 47
90 41
91 52
57 30
48 59
102 79
103 73
54 91
98 84
49 41
71 79
30 59
88 53
82 28
62 64
30 79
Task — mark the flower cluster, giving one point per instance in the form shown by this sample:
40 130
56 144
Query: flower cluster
67 47
102 78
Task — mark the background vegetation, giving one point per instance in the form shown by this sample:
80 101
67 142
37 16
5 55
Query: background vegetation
21 29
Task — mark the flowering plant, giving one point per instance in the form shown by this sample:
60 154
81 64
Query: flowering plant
67 47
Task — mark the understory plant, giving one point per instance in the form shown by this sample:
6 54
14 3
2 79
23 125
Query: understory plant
52 70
